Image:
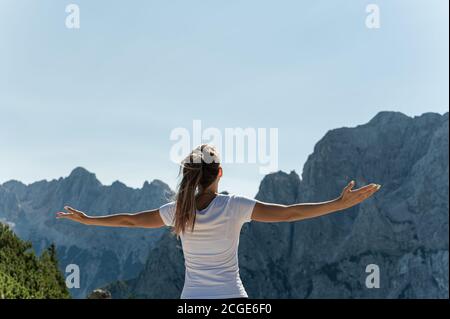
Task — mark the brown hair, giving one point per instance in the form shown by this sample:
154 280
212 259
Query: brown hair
200 169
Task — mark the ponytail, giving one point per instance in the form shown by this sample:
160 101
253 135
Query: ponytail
200 169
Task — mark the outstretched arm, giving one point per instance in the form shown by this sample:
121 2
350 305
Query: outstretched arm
145 219
267 212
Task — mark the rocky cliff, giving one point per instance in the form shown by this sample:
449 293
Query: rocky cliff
403 229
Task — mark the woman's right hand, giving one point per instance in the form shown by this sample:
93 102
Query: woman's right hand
72 214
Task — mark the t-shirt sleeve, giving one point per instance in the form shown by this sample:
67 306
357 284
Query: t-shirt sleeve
244 208
167 213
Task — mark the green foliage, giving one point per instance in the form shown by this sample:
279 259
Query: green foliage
25 275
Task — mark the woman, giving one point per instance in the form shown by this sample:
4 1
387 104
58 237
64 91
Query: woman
209 223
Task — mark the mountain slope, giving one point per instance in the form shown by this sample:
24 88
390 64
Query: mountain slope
403 229
23 274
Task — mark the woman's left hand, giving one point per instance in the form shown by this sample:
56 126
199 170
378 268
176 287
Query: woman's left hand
351 197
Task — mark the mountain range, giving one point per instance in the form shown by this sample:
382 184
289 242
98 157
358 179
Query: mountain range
403 229
102 254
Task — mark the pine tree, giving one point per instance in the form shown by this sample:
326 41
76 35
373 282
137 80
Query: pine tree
23 274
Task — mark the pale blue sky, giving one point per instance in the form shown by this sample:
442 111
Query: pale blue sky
107 96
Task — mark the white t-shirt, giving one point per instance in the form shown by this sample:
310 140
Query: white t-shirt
211 251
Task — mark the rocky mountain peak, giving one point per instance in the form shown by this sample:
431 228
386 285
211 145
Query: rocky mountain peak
270 190
388 117
81 173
